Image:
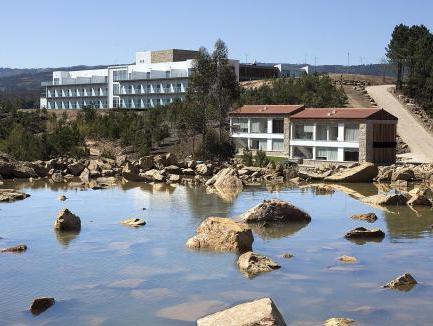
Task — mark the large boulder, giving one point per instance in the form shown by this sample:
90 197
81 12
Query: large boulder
275 210
146 162
226 183
261 312
85 175
365 172
18 248
135 222
57 177
202 169
76 168
386 200
160 161
40 168
222 234
66 221
252 264
153 175
14 169
131 172
404 282
10 195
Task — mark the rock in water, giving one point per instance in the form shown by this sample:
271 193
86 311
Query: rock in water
386 200
131 172
222 234
39 305
287 255
261 312
339 322
10 195
404 282
136 222
252 264
323 189
368 217
57 177
347 259
363 233
18 248
275 210
226 183
62 198
66 221
365 172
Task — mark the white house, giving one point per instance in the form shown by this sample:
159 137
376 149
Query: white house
156 78
316 134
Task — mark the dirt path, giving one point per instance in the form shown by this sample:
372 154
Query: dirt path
419 140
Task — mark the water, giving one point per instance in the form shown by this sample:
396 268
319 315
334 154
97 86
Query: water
109 274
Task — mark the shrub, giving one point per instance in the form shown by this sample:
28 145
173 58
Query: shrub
247 157
261 158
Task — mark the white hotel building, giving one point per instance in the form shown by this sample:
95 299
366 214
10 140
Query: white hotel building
156 78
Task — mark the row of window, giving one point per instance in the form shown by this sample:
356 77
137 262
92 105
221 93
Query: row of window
257 125
260 143
76 104
77 92
147 89
325 132
324 153
137 103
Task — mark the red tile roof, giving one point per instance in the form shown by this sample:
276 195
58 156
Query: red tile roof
268 110
344 113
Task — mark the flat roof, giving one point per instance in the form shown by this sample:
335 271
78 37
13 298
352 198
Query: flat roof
344 113
266 110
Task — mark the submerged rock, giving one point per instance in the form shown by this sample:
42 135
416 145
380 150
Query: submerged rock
10 195
365 172
18 248
66 221
39 305
222 234
347 259
135 222
275 210
322 189
404 282
368 217
363 233
252 264
62 198
339 322
261 312
287 255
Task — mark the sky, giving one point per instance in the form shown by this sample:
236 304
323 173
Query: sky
57 33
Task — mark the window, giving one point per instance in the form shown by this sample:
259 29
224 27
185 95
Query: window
278 126
179 88
259 125
303 152
328 132
148 74
351 132
148 88
277 144
327 154
158 88
120 75
351 155
167 74
303 131
259 144
137 89
239 125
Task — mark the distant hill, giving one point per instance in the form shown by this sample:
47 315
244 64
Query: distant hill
23 85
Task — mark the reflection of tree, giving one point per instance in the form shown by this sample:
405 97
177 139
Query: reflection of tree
278 230
66 237
405 223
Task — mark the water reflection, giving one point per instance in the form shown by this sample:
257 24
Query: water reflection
277 231
66 237
404 222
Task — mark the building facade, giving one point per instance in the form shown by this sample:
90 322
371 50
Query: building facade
156 78
316 134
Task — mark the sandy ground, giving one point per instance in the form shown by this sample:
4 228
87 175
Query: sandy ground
419 140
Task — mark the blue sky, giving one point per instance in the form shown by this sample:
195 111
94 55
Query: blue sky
54 33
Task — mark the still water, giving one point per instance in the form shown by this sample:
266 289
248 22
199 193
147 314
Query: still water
109 274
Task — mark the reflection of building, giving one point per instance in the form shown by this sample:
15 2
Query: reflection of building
156 78
316 134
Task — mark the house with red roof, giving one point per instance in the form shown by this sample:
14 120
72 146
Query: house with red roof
311 135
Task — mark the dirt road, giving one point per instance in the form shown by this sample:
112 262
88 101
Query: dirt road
419 140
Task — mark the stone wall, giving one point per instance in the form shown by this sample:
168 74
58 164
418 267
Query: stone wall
363 155
286 144
172 55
